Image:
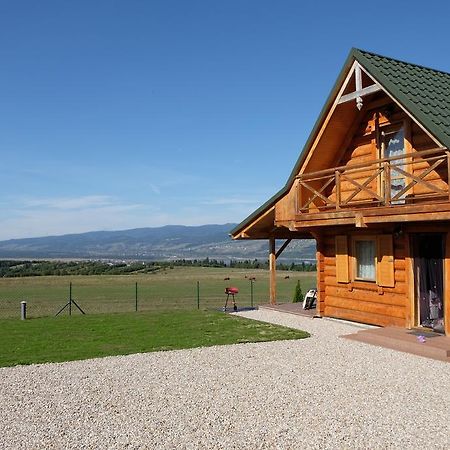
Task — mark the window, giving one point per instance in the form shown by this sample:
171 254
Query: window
393 143
365 259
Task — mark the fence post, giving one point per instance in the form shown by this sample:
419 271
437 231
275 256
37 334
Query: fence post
70 298
251 293
23 310
198 294
136 298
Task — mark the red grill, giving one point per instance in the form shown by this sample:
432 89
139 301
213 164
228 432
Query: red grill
231 290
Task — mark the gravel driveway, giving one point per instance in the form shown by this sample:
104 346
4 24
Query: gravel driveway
322 392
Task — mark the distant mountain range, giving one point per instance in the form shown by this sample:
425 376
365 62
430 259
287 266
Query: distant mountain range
162 243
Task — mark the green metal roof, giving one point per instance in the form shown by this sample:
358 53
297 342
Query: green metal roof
423 92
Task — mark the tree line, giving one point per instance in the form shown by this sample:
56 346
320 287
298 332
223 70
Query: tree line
9 268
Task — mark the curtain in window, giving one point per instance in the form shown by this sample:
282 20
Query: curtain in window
429 276
394 145
365 259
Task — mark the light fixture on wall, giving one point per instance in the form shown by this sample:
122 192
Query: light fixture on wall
398 232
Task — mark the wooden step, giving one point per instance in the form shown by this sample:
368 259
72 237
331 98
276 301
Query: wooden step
400 339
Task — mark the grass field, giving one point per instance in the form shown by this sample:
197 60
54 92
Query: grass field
71 338
170 289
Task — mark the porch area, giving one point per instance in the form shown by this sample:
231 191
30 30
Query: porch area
290 308
420 342
416 341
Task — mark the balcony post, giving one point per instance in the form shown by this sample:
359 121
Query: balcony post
387 183
337 177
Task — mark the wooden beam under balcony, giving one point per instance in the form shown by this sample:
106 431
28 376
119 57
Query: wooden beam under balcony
382 214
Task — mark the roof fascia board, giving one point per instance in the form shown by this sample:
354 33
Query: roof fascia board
257 219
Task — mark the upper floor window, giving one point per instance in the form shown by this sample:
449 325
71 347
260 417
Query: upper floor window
393 145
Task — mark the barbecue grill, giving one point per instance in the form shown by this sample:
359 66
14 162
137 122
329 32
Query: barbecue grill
231 291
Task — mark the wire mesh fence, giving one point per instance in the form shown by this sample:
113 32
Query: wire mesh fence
46 296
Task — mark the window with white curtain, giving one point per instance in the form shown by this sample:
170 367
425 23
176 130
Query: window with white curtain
365 259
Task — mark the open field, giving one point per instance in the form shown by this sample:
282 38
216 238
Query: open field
72 338
166 290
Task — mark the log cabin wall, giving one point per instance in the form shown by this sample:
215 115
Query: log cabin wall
365 147
362 301
368 301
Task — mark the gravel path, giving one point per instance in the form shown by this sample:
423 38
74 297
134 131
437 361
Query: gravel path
322 392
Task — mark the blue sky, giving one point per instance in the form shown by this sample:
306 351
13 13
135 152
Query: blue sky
125 114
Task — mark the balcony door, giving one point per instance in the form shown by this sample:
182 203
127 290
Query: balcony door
393 145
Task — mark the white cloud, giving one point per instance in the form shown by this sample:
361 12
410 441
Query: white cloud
65 203
61 215
33 217
229 201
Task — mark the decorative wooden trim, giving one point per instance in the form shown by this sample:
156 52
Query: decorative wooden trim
317 193
320 173
360 93
419 180
362 187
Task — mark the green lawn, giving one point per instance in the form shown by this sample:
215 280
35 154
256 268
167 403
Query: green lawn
80 337
170 289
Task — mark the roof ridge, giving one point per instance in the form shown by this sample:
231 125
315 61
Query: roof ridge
356 50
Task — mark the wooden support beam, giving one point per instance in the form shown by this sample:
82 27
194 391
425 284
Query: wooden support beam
273 272
410 320
320 264
281 249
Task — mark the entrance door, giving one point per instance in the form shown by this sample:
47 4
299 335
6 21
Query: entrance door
428 251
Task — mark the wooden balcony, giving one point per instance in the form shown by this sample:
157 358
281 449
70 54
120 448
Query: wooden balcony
415 183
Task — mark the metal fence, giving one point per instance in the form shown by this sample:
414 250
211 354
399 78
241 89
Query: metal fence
48 297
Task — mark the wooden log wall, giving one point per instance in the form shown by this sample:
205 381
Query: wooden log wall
363 149
439 177
363 301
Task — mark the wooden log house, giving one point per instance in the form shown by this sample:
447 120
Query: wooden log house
371 186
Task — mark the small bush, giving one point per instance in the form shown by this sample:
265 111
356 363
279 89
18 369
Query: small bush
298 294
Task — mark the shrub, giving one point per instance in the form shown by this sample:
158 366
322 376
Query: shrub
298 294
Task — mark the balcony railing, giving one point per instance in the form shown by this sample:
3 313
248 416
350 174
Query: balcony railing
411 178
